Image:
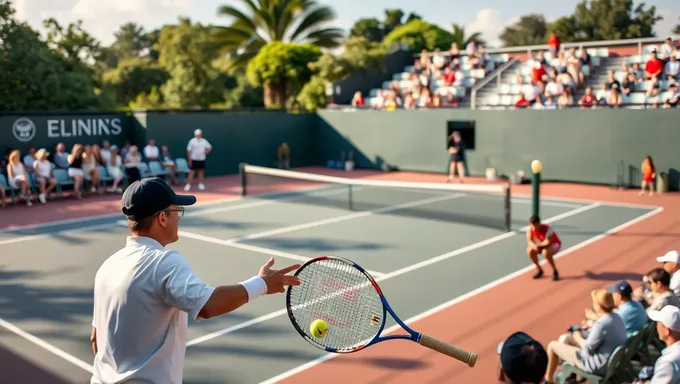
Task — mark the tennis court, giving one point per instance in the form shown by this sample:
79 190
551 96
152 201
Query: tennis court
426 246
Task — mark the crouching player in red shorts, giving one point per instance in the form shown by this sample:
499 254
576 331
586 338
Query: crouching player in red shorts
543 240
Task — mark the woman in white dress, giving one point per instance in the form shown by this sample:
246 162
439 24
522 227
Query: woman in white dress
90 169
44 174
18 176
113 165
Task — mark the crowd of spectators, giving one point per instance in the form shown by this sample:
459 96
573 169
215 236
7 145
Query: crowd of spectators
87 169
619 318
433 80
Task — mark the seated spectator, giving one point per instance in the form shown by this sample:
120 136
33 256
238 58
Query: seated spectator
409 101
538 73
454 53
61 157
654 90
614 99
560 62
18 177
674 99
659 281
670 262
590 354
151 151
565 99
114 167
425 97
633 314
97 153
586 61
603 94
553 88
358 100
132 162
391 102
438 60
611 80
125 149
450 100
522 102
105 152
667 366
2 197
533 93
540 57
169 163
90 171
628 84
449 77
638 72
574 66
44 175
672 69
653 67
666 50
29 159
588 100
549 103
521 360
75 169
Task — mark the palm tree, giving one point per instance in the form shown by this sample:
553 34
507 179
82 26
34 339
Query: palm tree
294 21
458 33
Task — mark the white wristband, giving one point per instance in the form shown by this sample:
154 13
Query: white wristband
255 286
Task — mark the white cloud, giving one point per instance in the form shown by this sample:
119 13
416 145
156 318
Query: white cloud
490 23
101 18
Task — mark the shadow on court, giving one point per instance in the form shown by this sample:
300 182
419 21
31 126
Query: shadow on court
15 369
25 302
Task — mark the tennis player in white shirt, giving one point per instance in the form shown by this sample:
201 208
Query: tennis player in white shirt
197 151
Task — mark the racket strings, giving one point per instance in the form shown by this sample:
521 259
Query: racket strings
341 295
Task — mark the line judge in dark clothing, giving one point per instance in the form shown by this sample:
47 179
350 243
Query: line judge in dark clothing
457 157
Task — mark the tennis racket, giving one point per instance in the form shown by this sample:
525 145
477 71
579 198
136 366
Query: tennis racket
349 300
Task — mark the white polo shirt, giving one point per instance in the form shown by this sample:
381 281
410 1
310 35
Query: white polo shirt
667 366
151 152
142 297
198 148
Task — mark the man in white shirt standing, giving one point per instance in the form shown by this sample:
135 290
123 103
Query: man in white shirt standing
197 150
144 293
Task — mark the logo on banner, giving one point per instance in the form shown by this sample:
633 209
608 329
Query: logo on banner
24 129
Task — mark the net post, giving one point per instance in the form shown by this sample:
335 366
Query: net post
242 174
351 203
508 201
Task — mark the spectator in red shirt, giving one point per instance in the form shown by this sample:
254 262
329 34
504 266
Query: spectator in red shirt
358 100
537 72
449 77
588 100
554 42
653 67
522 102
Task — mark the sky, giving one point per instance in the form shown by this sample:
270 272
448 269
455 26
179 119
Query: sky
102 18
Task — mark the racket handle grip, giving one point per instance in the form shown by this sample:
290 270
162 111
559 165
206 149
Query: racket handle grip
468 358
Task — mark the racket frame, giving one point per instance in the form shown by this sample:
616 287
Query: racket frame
412 335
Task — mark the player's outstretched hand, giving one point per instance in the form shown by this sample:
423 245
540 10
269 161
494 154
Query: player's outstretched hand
277 280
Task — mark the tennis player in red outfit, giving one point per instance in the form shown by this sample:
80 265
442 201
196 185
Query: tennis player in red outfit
542 239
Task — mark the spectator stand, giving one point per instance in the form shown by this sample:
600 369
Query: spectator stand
504 92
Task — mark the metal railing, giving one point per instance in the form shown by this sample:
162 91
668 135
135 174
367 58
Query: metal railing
494 75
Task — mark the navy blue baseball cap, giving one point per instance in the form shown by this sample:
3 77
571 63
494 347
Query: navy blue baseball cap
523 359
621 287
146 197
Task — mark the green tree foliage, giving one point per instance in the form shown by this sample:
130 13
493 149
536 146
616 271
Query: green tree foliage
359 55
595 20
375 31
132 76
677 29
462 40
35 77
281 69
419 35
267 21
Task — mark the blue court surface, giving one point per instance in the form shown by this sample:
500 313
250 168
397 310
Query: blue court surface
416 242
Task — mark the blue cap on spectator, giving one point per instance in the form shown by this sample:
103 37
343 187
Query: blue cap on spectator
523 359
146 197
621 287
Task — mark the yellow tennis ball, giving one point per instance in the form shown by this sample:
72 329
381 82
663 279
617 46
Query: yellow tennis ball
318 328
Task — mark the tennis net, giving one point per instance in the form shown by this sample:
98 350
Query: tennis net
473 204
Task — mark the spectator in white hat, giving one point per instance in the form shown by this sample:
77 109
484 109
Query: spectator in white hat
671 263
197 150
667 366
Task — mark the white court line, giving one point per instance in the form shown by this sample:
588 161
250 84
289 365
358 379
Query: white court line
468 295
58 233
401 271
524 200
47 346
253 248
338 219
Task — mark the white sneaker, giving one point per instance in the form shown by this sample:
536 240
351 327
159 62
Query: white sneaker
42 198
187 187
201 186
